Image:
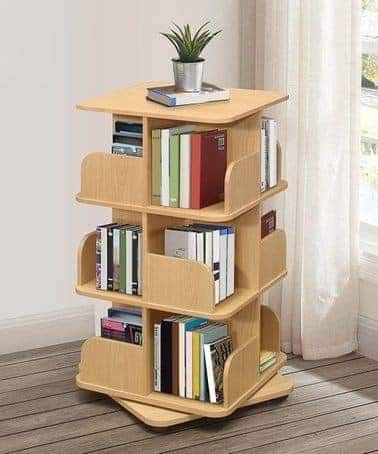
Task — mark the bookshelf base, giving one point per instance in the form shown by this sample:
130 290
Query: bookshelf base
276 387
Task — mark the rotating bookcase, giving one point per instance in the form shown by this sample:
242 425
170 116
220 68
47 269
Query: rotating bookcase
125 371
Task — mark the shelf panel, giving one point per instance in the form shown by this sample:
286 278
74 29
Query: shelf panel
132 101
276 387
272 258
94 379
212 213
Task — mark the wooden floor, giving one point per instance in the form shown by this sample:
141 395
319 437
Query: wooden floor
333 409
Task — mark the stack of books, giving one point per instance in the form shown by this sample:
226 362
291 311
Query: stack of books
213 245
267 359
128 138
268 153
169 96
123 324
189 357
119 257
188 166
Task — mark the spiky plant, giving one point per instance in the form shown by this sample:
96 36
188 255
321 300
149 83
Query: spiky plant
188 46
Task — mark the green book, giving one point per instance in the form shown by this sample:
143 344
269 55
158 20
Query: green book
122 260
156 167
174 171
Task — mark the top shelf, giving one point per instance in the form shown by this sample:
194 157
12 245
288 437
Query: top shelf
132 101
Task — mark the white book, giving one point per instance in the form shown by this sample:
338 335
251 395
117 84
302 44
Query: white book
263 160
157 357
116 238
209 249
185 157
140 262
129 261
200 240
188 364
209 372
223 264
164 147
104 258
181 243
230 261
272 152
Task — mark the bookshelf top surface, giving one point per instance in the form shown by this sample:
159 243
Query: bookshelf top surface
132 101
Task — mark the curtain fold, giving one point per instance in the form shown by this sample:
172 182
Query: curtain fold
311 49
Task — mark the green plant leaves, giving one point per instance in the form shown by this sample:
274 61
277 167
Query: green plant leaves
188 46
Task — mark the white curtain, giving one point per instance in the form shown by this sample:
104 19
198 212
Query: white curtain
310 49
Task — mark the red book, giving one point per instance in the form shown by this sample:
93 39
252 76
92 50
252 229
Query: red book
208 167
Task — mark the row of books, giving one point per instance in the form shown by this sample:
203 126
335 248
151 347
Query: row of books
123 324
188 166
189 357
119 258
213 245
128 138
267 359
268 153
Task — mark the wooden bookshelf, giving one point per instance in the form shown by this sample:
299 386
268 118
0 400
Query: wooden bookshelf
125 371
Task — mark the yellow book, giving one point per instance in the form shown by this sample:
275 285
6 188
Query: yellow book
195 365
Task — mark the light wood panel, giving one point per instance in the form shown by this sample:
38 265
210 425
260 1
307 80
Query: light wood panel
132 101
276 387
273 257
113 364
113 179
86 259
270 330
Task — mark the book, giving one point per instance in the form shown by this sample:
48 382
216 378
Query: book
188 364
267 359
98 258
122 259
169 96
180 242
268 223
195 365
216 354
140 262
126 128
185 158
208 167
116 257
166 354
230 284
263 160
174 170
208 335
186 324
122 324
135 254
157 357
102 257
155 167
272 152
175 355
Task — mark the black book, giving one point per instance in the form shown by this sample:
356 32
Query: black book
110 258
124 128
166 356
134 273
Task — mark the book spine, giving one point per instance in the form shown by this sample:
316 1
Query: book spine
223 265
166 356
195 366
272 156
156 167
129 261
188 364
98 258
210 373
192 245
230 261
110 258
216 264
262 160
195 171
164 192
200 240
185 140
116 233
140 262
122 261
104 258
133 334
174 170
175 359
134 270
157 347
181 357
209 249
114 325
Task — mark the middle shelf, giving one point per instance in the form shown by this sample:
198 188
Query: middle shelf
258 265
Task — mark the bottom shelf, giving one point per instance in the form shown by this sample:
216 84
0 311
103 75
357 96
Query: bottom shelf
276 387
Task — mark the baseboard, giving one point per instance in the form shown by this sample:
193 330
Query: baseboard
50 328
368 337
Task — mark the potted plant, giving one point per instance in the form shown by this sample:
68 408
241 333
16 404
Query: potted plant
188 67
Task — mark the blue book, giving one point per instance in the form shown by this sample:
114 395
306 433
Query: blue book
208 334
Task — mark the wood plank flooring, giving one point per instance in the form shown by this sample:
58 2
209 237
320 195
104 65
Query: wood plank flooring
333 409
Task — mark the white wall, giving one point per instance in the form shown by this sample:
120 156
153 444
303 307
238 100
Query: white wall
54 53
